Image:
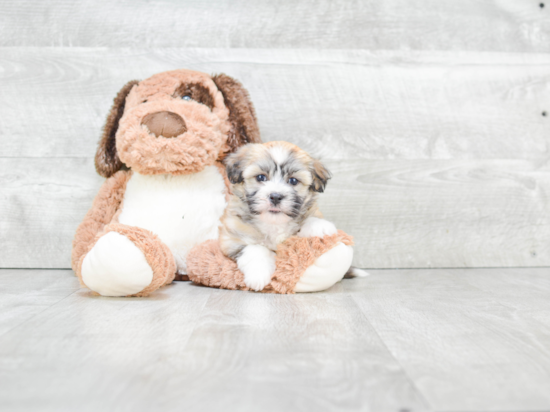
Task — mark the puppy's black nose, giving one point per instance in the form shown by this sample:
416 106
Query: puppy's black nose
276 198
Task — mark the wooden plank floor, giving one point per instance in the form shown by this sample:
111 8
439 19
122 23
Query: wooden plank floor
399 340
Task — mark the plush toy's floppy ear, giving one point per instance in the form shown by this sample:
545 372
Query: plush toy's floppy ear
244 125
321 175
107 162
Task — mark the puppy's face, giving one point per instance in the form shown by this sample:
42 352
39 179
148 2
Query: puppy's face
276 180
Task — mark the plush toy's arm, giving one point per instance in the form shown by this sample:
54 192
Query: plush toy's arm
105 205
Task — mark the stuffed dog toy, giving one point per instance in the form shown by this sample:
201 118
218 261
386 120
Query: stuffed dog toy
166 190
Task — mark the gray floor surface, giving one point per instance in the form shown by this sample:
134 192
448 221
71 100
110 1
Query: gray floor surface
399 340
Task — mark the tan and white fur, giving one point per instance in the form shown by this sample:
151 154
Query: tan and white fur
274 196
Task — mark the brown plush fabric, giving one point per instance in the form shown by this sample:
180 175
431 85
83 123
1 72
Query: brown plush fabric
165 124
200 146
242 116
197 92
207 265
103 210
157 254
107 161
223 121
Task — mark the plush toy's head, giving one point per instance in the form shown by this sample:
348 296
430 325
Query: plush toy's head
176 122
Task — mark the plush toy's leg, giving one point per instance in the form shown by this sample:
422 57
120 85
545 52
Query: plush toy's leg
303 264
327 269
127 261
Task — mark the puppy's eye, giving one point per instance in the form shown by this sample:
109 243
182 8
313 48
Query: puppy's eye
261 178
293 181
186 97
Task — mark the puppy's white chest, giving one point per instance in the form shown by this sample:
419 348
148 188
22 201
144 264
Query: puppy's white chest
275 230
182 210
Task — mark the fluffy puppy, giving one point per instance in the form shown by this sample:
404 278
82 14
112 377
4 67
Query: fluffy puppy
274 196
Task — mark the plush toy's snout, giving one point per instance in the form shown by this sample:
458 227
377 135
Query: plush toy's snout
165 124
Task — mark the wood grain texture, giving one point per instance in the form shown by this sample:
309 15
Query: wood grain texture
336 104
42 203
442 213
503 25
27 293
288 352
471 340
422 213
429 113
198 349
431 339
91 353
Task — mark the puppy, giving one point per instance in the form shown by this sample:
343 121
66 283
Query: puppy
274 196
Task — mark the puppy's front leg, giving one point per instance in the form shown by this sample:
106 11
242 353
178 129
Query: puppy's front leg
314 226
257 263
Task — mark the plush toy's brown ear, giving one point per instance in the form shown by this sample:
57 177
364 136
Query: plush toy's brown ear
107 162
321 175
244 125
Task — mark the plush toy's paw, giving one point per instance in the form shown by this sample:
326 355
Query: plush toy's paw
257 264
313 226
328 269
116 267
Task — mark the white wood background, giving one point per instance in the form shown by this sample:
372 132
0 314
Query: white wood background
429 113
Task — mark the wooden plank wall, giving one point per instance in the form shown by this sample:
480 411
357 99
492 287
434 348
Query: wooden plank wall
434 115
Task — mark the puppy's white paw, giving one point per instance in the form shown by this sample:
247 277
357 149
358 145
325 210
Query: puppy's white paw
313 226
257 263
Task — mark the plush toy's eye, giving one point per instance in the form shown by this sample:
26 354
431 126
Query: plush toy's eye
261 178
186 97
293 181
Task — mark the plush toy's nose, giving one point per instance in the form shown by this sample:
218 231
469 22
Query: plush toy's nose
165 124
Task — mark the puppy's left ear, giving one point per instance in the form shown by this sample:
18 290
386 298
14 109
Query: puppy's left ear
320 175
244 125
233 167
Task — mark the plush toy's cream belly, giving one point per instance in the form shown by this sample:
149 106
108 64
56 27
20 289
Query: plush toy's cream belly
182 210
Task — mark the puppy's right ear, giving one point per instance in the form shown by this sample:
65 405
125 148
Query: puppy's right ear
107 162
234 166
321 176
